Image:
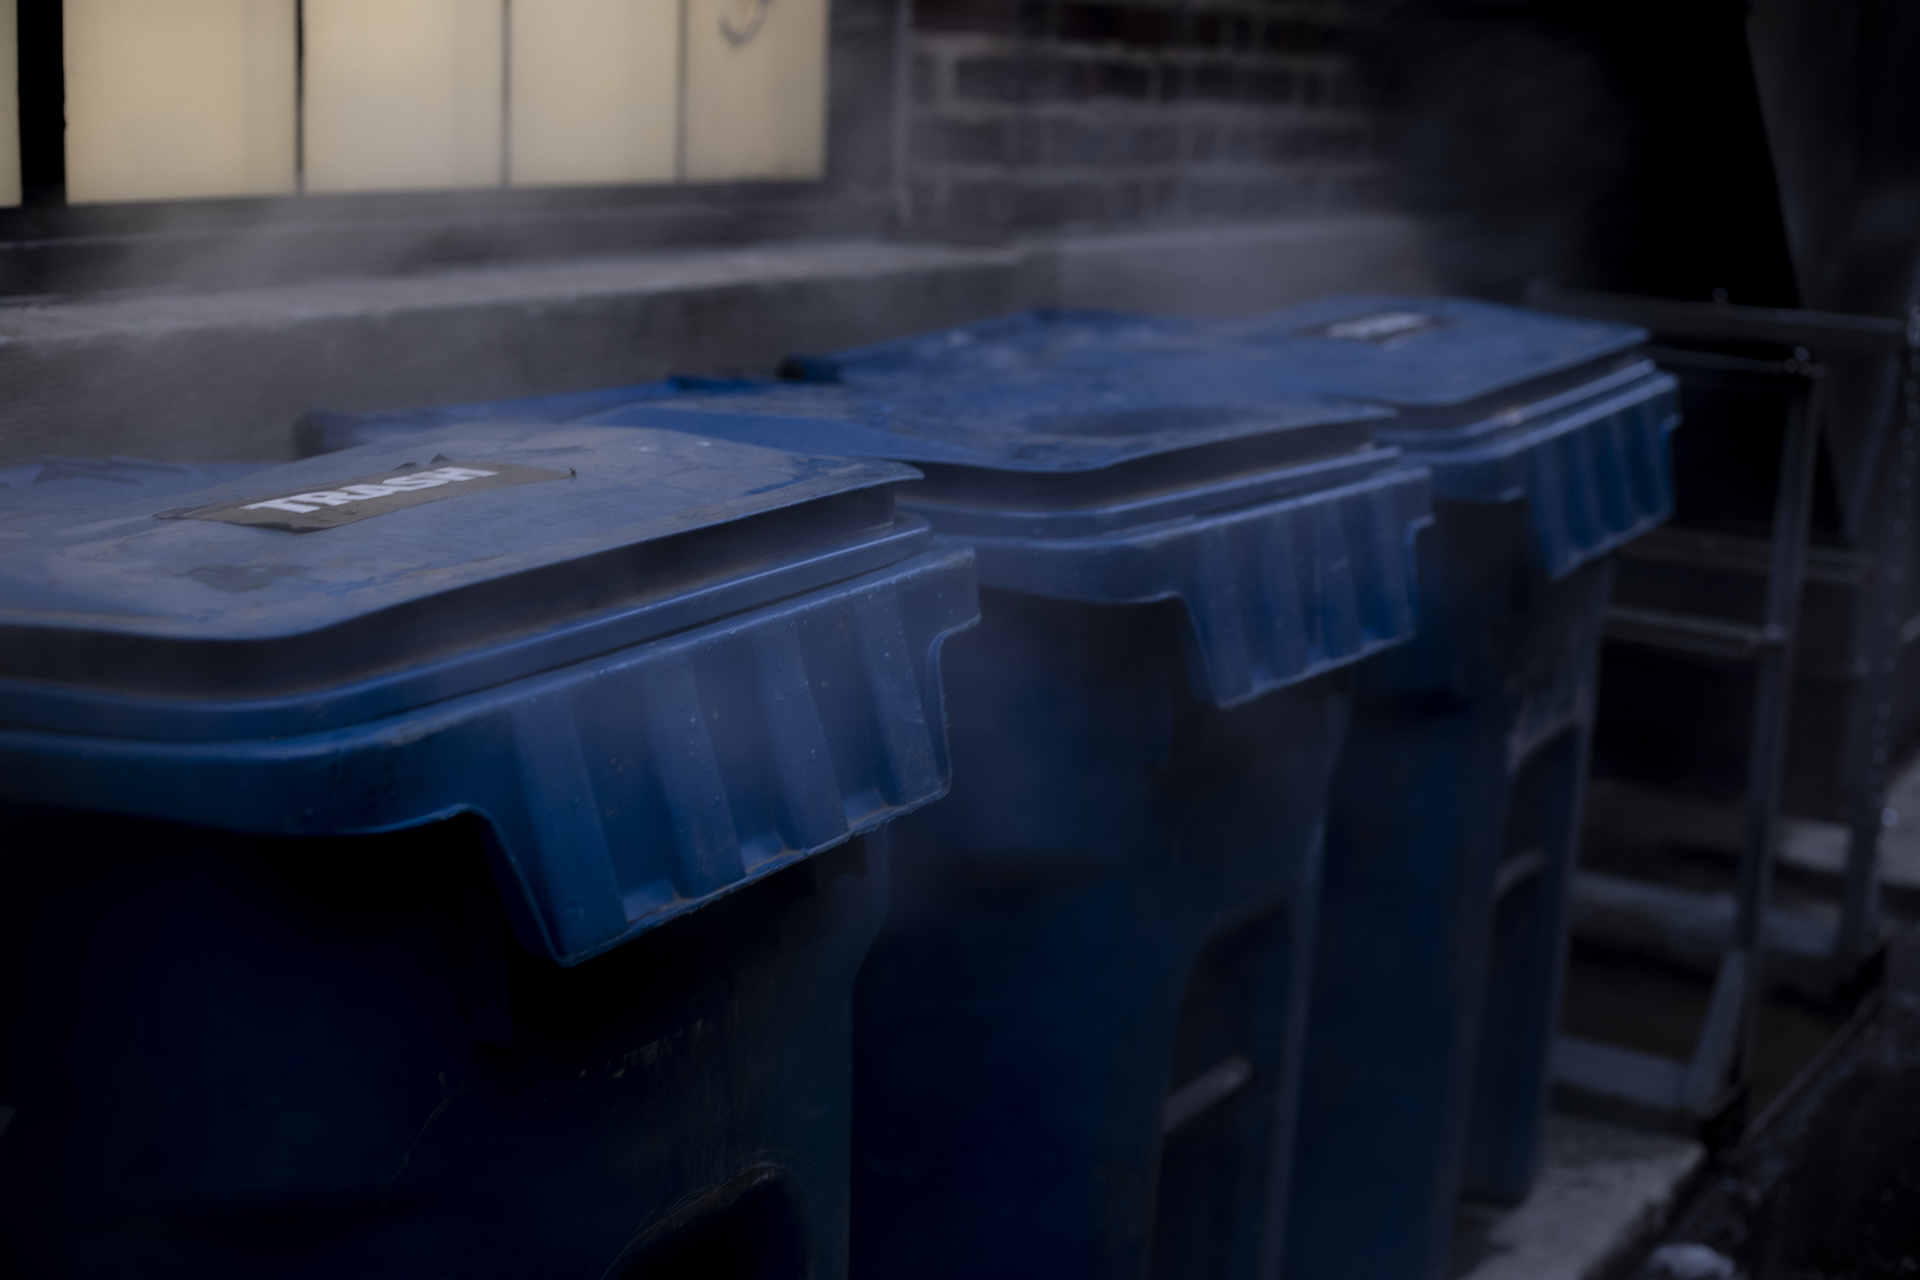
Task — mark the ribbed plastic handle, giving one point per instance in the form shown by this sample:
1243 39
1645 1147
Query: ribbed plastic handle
1273 594
619 792
1594 479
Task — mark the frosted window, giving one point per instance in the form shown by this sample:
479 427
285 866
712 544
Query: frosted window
756 89
593 90
182 99
9 106
404 94
173 99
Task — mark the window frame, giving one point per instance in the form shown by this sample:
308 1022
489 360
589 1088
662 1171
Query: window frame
50 248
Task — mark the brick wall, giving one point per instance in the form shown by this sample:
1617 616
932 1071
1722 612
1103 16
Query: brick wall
1033 113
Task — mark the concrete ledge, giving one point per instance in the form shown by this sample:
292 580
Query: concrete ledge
1604 1193
1243 268
222 375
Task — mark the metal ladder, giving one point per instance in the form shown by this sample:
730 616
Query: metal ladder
1685 1094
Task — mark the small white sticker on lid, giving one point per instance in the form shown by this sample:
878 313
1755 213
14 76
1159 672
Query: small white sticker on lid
367 496
1382 326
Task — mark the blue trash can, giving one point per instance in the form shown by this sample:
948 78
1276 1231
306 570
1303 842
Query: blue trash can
1077 1039
1456 807
454 857
1427 1060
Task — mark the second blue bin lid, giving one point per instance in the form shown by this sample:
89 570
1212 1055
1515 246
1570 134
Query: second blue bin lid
1501 403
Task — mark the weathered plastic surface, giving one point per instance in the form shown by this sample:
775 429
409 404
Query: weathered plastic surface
1105 928
299 822
1503 405
317 1058
326 431
1451 839
76 482
1077 1041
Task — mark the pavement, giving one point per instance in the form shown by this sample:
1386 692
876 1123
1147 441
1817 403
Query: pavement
1606 1193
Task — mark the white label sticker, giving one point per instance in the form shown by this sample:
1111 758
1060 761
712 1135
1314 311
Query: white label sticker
1382 326
367 496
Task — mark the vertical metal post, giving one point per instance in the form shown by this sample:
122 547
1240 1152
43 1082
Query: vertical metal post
1881 618
1773 700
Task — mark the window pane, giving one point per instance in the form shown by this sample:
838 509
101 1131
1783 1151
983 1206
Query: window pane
9 105
171 99
593 90
403 94
756 89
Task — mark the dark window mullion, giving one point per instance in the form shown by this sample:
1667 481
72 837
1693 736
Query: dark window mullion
43 105
299 95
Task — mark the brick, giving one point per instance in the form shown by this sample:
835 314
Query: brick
1126 202
1154 143
1285 143
1242 196
1084 142
1281 36
1205 142
938 140
997 79
1041 142
1119 80
1214 81
1319 142
1239 70
976 204
925 196
1091 23
1057 203
986 17
1040 78
1153 28
1163 197
1360 189
1149 27
1266 84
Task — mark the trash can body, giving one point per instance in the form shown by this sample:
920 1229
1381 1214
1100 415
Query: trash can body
1077 1038
399 887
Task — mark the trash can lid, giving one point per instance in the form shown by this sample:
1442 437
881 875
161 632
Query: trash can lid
1502 404
78 482
1280 527
389 575
1437 361
1047 452
1440 361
